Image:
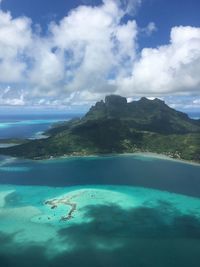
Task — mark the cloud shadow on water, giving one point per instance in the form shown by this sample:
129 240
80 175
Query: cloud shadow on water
113 236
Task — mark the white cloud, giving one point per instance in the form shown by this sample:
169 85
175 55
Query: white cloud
169 69
149 29
129 6
92 52
7 97
96 44
15 101
15 38
47 67
187 103
197 101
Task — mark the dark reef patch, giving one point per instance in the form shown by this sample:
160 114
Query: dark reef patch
139 237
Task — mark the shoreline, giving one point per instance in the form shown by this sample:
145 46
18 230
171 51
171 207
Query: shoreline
138 153
149 154
163 156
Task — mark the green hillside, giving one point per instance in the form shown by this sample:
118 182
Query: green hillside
115 126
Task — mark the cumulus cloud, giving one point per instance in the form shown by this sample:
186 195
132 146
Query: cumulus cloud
93 52
172 68
15 38
79 53
96 46
8 97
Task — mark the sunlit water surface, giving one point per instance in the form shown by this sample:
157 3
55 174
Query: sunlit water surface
29 126
120 211
99 211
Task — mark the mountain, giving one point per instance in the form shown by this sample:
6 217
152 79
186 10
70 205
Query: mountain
148 115
116 126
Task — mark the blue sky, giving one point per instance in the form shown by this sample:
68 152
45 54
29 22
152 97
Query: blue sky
165 14
69 54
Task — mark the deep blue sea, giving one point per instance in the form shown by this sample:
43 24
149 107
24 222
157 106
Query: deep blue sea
29 125
140 210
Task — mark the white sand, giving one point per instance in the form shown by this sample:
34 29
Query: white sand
3 195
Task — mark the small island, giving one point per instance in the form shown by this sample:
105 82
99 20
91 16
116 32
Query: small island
115 126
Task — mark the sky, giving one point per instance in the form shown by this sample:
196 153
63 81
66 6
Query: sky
69 54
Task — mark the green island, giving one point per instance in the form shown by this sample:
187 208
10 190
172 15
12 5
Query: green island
116 126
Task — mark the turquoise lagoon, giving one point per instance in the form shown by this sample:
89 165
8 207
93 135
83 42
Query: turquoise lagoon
130 210
29 125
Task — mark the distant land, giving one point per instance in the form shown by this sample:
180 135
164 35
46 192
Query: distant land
115 126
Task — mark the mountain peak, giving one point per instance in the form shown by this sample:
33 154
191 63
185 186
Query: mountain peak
158 100
146 114
114 125
143 99
115 100
155 100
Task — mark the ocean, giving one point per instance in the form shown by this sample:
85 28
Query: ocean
139 210
29 125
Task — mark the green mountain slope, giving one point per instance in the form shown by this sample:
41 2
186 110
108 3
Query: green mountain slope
150 115
115 126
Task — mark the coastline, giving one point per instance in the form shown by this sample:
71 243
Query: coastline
85 154
166 157
138 153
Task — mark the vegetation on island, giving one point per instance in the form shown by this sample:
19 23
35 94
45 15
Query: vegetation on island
116 126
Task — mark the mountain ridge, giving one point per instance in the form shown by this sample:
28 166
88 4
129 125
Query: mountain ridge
145 113
116 126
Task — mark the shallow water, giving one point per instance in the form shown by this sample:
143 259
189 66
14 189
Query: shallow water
99 211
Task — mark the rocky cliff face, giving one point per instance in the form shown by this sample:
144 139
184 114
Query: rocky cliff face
150 115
